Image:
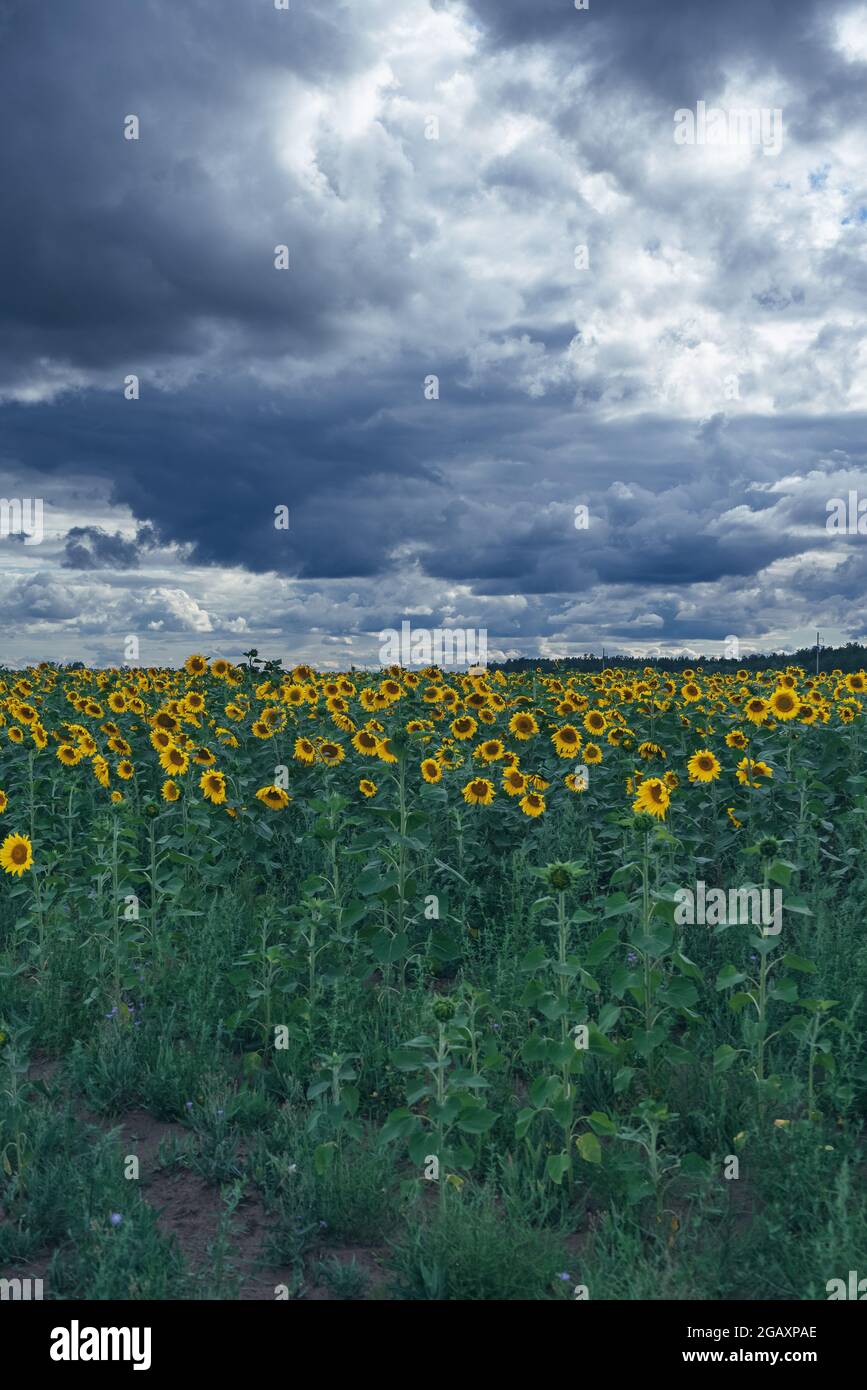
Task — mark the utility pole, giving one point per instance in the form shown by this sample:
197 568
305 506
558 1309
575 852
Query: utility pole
817 653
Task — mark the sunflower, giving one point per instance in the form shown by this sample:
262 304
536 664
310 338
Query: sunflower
304 751
4 802
749 771
464 727
736 739
195 665
523 726
261 729
213 787
366 787
730 812
220 668
575 783
653 798
14 734
479 792
170 791
755 709
594 721
68 755
384 751
273 797
16 854
567 740
784 704
648 750
125 769
704 766
365 743
117 701
174 760
514 782
592 753
532 804
331 754
856 682
491 750
431 770
690 692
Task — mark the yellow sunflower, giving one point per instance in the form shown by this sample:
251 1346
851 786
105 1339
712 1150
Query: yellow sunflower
514 782
479 792
523 726
331 754
273 797
365 743
464 727
16 854
749 772
567 740
594 721
174 760
304 751
704 766
491 750
213 787
653 798
784 704
755 709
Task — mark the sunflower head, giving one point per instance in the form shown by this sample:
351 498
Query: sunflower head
770 848
562 875
443 1010
16 855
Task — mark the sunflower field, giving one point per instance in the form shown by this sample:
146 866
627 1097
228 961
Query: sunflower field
377 984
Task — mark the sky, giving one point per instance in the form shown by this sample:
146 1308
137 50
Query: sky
500 305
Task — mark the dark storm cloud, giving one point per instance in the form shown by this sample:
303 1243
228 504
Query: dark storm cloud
360 479
128 249
261 388
677 50
92 547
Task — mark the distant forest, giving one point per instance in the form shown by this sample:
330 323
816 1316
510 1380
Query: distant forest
852 657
